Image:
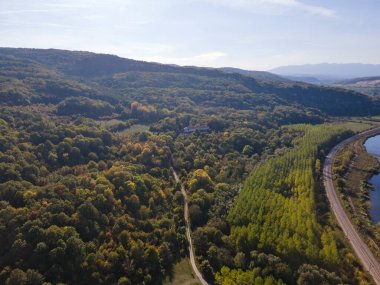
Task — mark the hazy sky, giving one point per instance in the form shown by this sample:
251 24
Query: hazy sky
251 34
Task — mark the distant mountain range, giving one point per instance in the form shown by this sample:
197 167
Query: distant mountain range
327 72
367 85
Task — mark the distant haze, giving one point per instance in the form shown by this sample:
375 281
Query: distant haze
329 70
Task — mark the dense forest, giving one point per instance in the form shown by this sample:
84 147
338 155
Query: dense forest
87 147
79 208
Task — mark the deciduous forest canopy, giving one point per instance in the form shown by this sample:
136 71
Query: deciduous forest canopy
87 147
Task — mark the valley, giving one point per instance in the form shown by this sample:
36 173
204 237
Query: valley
88 144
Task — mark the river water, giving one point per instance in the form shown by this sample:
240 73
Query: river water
372 146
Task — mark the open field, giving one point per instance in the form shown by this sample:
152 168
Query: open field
357 125
131 130
135 129
182 274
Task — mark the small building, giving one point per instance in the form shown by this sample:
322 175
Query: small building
196 128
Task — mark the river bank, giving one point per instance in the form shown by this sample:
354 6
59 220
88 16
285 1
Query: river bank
372 146
353 169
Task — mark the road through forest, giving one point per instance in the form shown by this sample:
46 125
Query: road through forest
361 249
364 254
188 231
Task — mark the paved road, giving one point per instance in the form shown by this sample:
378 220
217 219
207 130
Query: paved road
188 232
365 255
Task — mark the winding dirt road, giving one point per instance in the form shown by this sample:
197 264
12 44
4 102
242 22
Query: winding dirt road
188 232
365 255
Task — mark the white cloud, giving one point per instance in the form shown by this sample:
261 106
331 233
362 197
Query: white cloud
273 6
211 56
317 10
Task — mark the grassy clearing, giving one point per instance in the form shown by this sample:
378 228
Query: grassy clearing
359 125
182 274
110 123
135 129
128 131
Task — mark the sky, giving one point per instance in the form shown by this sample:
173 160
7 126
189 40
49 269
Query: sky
249 34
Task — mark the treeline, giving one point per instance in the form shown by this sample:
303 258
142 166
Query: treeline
84 106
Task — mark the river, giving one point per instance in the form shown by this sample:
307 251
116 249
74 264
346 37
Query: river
372 146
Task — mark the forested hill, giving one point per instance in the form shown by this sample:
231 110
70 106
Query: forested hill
50 76
88 143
